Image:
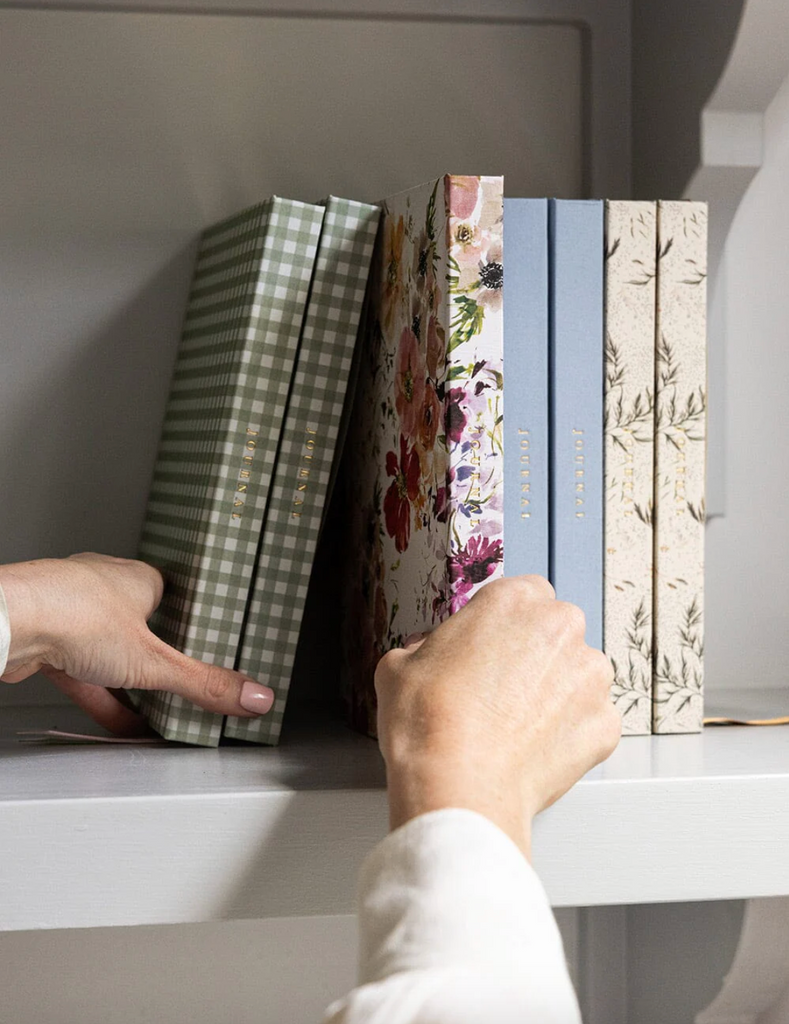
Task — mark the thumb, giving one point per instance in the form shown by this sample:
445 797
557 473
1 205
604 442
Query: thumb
216 689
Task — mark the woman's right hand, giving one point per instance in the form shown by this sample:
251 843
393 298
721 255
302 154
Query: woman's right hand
500 710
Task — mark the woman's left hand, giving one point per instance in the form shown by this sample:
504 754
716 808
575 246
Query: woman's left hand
82 622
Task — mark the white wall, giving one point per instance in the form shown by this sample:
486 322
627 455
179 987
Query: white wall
748 550
81 318
679 953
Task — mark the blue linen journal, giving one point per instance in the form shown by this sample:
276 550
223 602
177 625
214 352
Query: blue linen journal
576 407
526 387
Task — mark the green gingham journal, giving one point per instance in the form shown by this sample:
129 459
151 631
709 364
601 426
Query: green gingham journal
301 481
220 436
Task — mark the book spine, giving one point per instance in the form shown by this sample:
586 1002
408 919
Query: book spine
526 387
222 433
474 386
576 408
301 477
630 254
680 443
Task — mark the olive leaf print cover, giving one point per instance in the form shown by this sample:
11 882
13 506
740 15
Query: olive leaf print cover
422 475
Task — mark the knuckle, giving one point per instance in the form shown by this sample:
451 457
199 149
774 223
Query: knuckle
496 590
390 664
214 685
611 730
600 668
515 591
156 580
539 586
570 618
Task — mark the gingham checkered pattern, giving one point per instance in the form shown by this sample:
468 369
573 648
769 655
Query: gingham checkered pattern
301 480
233 373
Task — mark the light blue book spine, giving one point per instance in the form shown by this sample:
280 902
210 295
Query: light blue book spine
526 387
576 407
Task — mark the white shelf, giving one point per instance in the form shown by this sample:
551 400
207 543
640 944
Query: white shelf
95 836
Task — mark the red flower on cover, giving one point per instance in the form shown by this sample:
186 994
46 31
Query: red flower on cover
455 417
409 384
471 565
463 195
402 491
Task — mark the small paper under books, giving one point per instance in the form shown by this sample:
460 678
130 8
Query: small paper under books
422 470
680 445
220 437
629 456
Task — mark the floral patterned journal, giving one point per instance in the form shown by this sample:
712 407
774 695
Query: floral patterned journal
422 474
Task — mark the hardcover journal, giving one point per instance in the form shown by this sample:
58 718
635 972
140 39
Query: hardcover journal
423 464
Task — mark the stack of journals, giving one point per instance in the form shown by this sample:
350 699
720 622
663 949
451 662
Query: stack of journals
553 426
246 450
595 479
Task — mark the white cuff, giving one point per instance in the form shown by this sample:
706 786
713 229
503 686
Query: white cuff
461 891
455 927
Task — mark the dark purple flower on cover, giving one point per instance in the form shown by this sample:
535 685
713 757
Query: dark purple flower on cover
440 504
455 417
471 565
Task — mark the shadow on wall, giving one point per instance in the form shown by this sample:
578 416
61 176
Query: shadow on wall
679 51
90 330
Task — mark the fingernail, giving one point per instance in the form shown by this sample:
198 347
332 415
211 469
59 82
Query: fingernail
413 638
256 698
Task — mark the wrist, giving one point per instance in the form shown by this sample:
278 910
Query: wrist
429 783
32 638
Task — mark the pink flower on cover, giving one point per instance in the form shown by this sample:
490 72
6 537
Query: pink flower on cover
455 418
463 196
472 565
470 243
402 491
409 384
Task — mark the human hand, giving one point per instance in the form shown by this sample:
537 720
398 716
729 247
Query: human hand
82 621
500 710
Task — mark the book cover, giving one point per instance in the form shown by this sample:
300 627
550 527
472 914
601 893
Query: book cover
526 387
220 435
576 407
422 474
630 254
301 477
680 449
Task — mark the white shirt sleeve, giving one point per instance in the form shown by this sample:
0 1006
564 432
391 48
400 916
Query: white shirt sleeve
5 632
455 928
